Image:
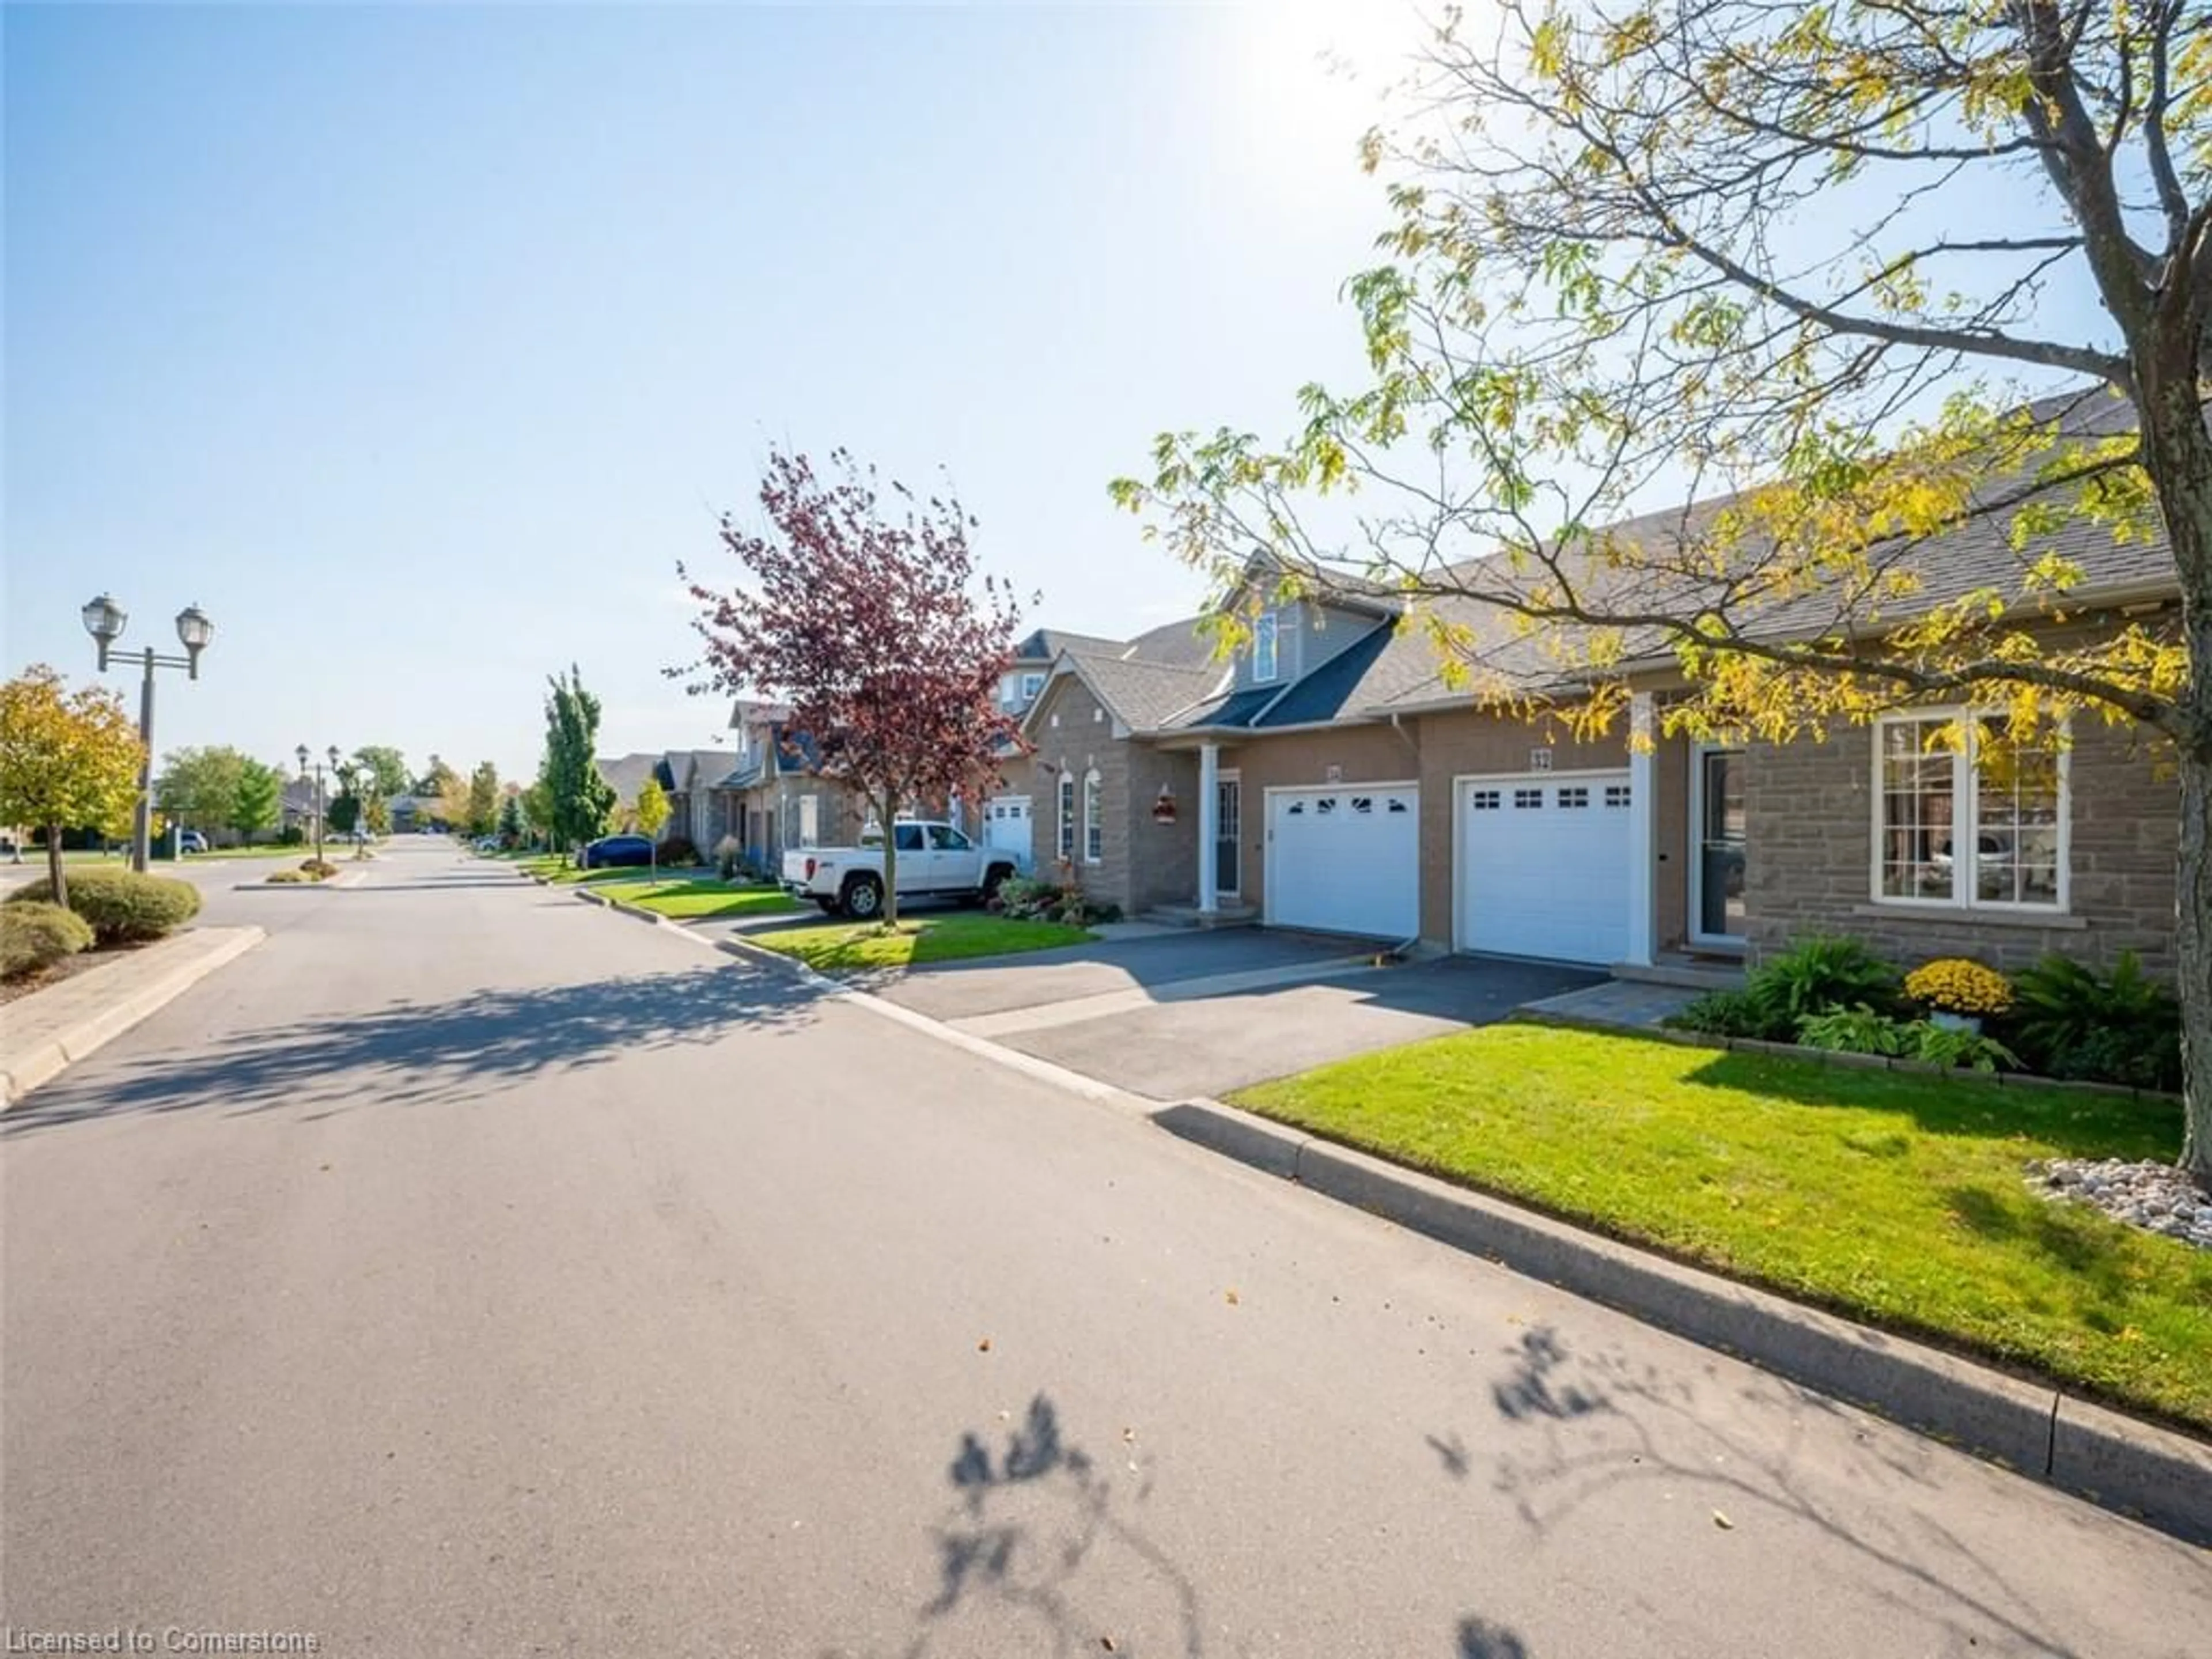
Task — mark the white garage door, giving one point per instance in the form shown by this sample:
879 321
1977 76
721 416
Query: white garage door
1543 867
1006 825
1346 859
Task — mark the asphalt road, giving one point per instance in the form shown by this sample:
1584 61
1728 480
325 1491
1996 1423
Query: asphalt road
471 1271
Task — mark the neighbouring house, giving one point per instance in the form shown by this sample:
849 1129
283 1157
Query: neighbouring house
702 806
1327 777
626 774
780 795
298 807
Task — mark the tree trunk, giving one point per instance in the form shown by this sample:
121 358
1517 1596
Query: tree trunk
2193 957
54 877
891 863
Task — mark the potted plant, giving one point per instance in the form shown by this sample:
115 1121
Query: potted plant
1959 993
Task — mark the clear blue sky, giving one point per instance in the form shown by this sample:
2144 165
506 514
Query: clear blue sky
416 345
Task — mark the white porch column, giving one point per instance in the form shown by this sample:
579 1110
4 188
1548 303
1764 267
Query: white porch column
1209 826
1643 826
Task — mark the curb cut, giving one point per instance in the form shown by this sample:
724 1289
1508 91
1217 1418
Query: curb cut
2151 1474
50 1058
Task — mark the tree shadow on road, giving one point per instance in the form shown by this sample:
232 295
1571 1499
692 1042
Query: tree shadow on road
1588 1432
433 1053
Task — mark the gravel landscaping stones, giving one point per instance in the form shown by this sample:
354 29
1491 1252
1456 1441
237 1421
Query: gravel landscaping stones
2156 1197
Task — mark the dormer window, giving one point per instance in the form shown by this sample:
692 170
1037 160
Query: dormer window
1263 648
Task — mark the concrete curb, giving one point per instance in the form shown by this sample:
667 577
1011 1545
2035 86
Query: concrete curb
2155 1476
47 1056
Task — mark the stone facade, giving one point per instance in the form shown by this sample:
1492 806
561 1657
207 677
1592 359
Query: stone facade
1810 810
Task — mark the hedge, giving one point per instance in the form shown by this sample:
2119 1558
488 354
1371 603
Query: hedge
122 906
35 935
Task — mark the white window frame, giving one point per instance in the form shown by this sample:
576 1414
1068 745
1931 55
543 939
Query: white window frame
1031 684
1094 826
1067 827
1966 825
1267 649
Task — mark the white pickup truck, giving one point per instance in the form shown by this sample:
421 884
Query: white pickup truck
935 860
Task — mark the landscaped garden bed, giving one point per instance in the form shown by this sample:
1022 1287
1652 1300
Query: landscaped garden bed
110 913
1893 1197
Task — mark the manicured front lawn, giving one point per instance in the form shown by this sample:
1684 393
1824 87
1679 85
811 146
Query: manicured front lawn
688 899
1892 1198
919 939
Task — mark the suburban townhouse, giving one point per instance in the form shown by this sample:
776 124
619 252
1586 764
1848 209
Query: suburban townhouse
1327 777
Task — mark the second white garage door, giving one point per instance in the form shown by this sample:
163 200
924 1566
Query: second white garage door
1543 865
1346 859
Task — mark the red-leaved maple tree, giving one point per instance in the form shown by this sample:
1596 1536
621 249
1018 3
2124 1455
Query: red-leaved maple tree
867 616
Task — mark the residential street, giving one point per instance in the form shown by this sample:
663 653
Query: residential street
470 1270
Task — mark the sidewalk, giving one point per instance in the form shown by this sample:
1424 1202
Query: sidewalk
49 1031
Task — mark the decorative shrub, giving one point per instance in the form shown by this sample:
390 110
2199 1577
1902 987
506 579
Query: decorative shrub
728 851
1857 1030
318 869
1730 1014
1940 1046
34 935
122 906
292 835
1863 1030
286 876
2071 1021
1818 973
1025 898
1958 985
677 849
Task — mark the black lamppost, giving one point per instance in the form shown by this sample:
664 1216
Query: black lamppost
335 760
105 620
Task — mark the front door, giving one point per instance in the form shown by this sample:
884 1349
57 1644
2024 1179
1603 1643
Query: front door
1718 867
1228 835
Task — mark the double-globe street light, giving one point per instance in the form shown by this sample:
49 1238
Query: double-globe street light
338 770
105 620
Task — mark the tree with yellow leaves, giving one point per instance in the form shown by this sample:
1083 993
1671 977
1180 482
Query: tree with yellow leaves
67 759
1793 273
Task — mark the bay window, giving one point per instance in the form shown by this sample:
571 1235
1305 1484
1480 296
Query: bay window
1965 817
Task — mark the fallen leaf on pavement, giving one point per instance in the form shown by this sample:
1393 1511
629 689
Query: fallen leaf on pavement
1722 1521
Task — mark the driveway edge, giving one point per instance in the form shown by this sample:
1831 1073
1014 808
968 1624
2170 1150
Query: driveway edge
39 1058
2153 1475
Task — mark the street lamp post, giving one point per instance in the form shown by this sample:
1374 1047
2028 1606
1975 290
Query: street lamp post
105 620
335 760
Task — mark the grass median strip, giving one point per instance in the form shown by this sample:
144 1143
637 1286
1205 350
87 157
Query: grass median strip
917 939
689 899
1892 1198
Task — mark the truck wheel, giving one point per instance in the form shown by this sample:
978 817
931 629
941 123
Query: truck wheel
864 898
994 878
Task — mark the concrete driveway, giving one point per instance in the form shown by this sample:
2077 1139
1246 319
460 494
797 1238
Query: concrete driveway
1202 1014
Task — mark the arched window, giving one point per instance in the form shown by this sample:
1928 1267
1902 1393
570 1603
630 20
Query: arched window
1067 815
1094 826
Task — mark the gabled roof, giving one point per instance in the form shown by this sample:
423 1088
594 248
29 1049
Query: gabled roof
750 710
1045 644
1140 695
627 772
679 765
1178 644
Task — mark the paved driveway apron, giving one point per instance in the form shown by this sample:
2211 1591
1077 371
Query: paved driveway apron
1202 1013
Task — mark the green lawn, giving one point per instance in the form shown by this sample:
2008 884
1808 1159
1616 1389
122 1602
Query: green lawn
688 899
1892 1198
933 938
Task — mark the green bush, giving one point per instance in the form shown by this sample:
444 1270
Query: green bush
1820 974
1730 1014
2069 1021
1025 898
286 877
1944 1045
35 935
318 869
122 906
1857 1030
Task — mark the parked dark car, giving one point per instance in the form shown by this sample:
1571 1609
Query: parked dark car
610 851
